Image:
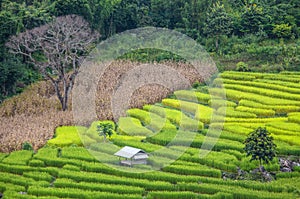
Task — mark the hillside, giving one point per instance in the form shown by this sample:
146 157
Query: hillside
176 133
33 115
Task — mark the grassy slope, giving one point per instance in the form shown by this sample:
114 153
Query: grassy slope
74 173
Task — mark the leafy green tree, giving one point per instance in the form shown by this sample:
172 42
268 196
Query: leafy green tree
252 19
218 23
125 15
105 130
78 7
260 146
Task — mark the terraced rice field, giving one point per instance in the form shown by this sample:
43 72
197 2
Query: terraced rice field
173 132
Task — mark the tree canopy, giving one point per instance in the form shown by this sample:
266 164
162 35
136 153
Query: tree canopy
260 146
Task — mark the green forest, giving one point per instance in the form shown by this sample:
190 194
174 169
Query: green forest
244 35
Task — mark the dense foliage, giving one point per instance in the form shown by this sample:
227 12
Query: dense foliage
262 33
260 146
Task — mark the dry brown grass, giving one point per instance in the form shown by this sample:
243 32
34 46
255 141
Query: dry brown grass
33 115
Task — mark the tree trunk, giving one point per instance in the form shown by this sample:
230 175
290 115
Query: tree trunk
217 44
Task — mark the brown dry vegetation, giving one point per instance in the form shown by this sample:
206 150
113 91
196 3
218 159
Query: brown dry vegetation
147 94
33 115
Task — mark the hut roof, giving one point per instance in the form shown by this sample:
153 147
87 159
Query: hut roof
129 152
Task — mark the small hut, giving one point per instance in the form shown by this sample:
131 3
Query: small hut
130 156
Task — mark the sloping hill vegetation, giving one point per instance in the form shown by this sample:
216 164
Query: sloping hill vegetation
73 171
33 115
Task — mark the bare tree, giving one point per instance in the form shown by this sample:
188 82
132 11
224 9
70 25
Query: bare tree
56 50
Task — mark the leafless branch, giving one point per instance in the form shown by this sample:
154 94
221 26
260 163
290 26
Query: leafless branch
56 49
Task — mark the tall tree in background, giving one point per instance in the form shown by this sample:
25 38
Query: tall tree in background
56 49
218 23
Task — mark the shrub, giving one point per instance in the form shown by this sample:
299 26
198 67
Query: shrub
282 31
242 67
27 146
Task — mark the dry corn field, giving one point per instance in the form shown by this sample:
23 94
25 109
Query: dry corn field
33 115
